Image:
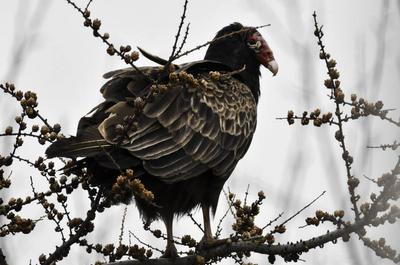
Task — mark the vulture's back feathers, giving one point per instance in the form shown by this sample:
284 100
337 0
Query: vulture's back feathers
186 130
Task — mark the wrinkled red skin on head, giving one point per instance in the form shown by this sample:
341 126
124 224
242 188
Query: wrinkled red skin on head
264 54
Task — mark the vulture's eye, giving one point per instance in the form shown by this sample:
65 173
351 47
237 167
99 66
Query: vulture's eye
254 44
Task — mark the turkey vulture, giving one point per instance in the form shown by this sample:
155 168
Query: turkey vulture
188 139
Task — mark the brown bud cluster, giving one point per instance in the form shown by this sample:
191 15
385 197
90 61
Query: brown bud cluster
333 73
339 95
290 117
314 116
215 75
134 56
158 89
381 249
187 240
4 182
244 217
322 216
363 108
188 78
139 253
126 186
6 161
353 183
28 102
17 225
96 24
111 50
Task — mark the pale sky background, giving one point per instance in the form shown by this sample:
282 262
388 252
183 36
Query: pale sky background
44 47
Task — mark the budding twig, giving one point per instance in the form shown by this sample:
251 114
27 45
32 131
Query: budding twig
84 228
195 222
337 95
393 146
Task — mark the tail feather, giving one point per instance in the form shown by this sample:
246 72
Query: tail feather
73 147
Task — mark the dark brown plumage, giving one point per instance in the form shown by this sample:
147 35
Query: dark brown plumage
188 139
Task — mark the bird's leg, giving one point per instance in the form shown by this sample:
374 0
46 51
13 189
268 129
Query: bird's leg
170 250
207 224
208 240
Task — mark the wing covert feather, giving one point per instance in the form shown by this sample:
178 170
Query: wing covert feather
185 131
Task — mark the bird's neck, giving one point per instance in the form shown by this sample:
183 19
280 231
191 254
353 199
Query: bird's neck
249 76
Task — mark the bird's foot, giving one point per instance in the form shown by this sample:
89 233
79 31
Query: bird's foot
170 252
209 242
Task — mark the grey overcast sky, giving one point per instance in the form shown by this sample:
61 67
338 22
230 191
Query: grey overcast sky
44 47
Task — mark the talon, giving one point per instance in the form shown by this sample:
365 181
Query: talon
170 252
208 242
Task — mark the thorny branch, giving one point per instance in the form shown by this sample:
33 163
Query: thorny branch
175 52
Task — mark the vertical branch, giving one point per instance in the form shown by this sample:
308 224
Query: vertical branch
339 135
171 57
184 39
121 234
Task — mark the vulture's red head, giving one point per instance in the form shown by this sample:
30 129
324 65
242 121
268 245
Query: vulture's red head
262 51
238 46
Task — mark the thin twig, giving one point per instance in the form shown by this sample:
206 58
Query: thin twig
295 117
219 228
230 205
145 244
246 194
302 209
26 135
88 4
184 39
219 38
195 222
273 221
370 179
393 146
56 221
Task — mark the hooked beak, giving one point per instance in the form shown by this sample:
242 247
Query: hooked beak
273 67
266 57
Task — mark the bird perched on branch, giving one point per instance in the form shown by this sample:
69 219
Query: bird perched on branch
194 125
